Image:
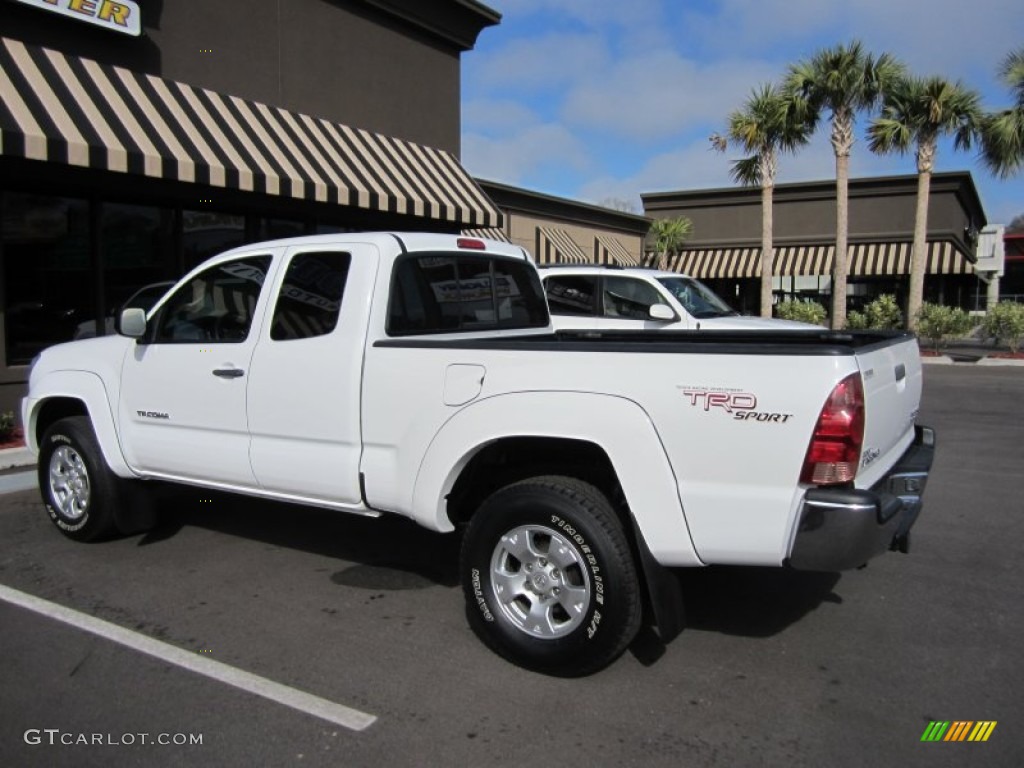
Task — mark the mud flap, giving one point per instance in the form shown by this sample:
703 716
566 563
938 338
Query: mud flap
136 510
664 594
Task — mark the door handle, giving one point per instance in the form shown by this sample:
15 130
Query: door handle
228 373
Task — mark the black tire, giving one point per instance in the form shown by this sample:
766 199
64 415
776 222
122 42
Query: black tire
549 578
80 492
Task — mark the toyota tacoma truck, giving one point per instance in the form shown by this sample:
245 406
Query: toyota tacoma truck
419 375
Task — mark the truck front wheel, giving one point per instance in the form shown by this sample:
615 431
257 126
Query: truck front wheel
79 490
549 579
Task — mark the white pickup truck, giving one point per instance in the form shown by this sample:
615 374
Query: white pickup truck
418 375
606 297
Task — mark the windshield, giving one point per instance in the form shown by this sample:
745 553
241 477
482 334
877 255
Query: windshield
699 300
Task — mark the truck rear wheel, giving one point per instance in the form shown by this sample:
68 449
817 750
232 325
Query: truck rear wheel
549 579
79 490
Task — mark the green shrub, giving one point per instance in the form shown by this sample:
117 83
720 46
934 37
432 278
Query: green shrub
1005 323
939 323
803 311
856 321
7 425
881 313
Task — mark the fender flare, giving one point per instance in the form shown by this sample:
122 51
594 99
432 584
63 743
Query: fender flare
87 388
619 426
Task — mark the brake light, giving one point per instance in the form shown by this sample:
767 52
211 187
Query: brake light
834 453
471 243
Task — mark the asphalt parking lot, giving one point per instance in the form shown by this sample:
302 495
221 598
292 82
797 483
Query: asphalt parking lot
365 618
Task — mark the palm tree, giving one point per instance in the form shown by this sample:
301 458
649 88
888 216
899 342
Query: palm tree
917 112
843 80
1002 133
768 123
669 236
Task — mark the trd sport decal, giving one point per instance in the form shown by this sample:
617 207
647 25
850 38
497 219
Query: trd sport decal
741 406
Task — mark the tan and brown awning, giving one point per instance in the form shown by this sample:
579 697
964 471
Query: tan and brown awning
71 110
608 250
487 233
866 260
556 246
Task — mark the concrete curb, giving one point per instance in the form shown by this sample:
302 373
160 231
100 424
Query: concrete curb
985 361
16 457
1000 362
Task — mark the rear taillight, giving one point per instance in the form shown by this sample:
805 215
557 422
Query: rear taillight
834 452
471 243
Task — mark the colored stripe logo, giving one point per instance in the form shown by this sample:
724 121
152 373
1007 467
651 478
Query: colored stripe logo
958 730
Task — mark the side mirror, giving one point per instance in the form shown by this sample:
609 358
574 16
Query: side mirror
133 323
662 312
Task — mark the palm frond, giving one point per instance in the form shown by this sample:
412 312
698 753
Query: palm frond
747 171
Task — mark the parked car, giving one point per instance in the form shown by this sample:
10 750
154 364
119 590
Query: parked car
419 375
592 297
143 299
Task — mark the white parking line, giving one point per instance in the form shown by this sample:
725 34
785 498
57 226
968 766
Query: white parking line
246 681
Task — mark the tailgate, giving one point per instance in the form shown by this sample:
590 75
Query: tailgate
892 395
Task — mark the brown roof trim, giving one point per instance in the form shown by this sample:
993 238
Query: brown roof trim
871 186
526 201
457 22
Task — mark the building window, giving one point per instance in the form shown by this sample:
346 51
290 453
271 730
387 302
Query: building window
207 233
137 245
48 285
275 229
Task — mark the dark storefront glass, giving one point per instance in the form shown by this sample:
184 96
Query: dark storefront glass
47 276
137 243
274 229
207 233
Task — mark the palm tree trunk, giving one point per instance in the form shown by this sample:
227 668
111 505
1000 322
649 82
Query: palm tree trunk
767 249
840 262
920 252
842 143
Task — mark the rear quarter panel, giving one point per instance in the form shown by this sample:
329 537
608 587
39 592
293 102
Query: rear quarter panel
733 428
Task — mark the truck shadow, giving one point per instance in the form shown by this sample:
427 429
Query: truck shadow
392 553
386 553
753 602
743 601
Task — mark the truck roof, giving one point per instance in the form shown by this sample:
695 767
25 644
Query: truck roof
612 269
407 241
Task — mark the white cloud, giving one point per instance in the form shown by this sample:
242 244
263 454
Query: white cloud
951 37
513 158
596 99
661 94
497 116
592 13
546 62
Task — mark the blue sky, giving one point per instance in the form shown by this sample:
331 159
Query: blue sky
598 99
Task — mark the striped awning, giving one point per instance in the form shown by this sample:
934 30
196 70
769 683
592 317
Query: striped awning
70 110
487 233
556 246
866 260
608 250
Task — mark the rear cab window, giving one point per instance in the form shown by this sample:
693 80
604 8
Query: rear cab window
449 293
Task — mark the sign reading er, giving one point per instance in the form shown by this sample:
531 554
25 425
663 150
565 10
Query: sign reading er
116 15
